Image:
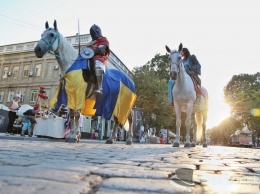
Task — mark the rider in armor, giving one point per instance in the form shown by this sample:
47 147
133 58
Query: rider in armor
192 67
101 53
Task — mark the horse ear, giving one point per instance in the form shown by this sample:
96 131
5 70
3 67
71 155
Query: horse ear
55 25
180 47
168 49
46 25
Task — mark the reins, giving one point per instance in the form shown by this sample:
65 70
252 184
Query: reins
57 37
173 62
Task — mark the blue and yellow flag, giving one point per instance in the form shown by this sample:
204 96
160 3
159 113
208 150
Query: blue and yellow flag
72 87
118 97
118 93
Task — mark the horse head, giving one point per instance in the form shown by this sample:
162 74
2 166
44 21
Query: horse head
49 40
175 61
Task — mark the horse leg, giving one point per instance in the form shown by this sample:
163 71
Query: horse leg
194 125
188 124
176 142
114 133
73 136
204 129
130 131
68 136
77 129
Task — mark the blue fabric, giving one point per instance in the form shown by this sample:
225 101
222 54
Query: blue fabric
25 119
170 86
105 104
187 62
80 63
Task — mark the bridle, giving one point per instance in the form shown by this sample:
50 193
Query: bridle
52 42
173 62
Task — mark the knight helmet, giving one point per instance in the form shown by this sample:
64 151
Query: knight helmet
95 32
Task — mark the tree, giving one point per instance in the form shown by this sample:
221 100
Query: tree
222 132
242 93
160 65
151 89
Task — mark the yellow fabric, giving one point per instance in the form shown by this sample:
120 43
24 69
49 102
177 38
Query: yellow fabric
125 101
75 88
54 99
89 110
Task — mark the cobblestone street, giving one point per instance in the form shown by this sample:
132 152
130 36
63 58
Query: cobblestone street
38 166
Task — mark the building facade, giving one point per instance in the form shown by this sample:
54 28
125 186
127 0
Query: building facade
22 72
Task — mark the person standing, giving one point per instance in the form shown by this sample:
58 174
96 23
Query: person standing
92 134
101 50
13 106
96 133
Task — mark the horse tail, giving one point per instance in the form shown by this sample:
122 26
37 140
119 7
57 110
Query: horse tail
199 121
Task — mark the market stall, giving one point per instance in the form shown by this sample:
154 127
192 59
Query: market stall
50 127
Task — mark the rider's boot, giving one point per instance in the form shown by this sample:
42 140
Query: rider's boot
98 90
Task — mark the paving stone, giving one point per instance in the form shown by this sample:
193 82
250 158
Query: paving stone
137 173
148 185
174 166
123 166
30 166
15 185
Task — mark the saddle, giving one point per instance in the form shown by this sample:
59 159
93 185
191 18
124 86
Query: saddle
198 89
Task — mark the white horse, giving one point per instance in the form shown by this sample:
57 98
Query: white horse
66 56
184 96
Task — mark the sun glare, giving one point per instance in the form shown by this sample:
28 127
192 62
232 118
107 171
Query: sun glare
218 111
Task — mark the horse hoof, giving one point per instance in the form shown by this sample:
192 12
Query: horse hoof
193 145
72 140
128 143
109 141
176 144
205 145
187 145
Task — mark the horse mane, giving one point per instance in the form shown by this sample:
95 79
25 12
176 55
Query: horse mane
67 47
66 54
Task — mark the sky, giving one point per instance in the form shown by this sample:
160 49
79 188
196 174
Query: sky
223 34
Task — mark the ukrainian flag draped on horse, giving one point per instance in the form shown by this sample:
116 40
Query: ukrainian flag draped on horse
117 99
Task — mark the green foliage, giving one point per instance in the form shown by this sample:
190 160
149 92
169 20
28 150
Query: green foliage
151 82
160 66
242 93
221 133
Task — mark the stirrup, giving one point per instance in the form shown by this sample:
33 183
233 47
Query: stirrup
98 92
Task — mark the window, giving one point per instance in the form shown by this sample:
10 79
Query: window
22 94
49 69
1 96
15 71
10 96
33 97
5 71
26 71
38 70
